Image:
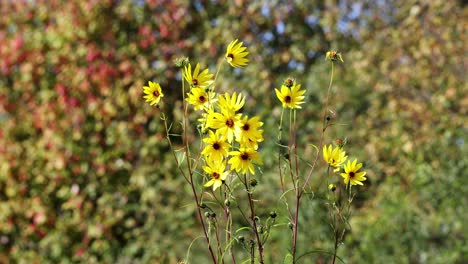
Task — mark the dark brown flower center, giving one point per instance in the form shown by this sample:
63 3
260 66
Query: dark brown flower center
215 175
231 56
230 122
287 99
202 98
216 146
155 93
195 82
244 156
246 127
351 174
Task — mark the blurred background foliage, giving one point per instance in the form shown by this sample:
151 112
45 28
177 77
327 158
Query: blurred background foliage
87 176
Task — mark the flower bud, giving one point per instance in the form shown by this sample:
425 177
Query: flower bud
181 61
253 182
289 82
260 229
332 187
339 142
273 214
334 56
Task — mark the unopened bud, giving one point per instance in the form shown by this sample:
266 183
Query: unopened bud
260 229
253 182
273 214
181 61
334 56
289 82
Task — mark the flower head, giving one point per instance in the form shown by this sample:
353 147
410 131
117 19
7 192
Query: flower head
351 174
216 146
153 93
334 56
242 160
226 122
334 156
197 79
235 54
232 102
200 98
291 97
217 172
203 120
248 132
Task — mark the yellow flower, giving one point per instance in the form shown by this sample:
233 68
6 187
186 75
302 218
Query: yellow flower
333 56
153 93
226 122
235 54
217 172
351 173
334 156
216 147
200 98
197 79
291 97
231 103
248 132
242 160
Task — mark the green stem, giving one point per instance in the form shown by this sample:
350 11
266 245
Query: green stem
324 127
190 172
254 223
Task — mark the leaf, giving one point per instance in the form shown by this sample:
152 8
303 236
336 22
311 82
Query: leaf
288 259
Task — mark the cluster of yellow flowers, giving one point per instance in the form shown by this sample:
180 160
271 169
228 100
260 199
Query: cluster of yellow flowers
232 138
336 157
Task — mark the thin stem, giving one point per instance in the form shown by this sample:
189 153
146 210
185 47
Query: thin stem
290 146
279 152
227 214
280 171
295 148
254 223
163 117
298 192
324 127
220 64
220 252
296 225
189 168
